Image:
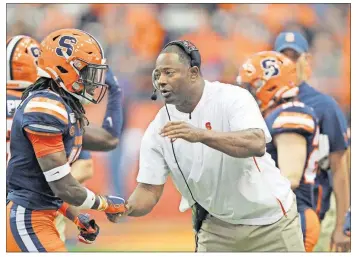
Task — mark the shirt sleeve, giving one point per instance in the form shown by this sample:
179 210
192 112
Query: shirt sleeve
335 126
299 120
45 116
45 145
244 112
153 167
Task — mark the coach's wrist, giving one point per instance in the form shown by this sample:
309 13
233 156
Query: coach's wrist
129 209
204 135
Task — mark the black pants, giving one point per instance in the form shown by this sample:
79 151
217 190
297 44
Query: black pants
199 214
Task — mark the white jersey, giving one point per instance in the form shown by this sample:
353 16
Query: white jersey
236 190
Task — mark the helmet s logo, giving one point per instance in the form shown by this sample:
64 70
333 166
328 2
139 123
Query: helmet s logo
35 51
66 43
270 67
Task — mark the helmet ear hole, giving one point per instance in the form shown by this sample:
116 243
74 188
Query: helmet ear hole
272 88
61 69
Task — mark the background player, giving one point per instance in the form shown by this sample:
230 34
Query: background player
333 139
270 77
52 118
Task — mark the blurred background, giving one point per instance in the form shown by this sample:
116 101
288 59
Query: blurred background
132 35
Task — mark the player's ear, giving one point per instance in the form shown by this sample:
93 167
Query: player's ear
194 73
303 67
307 57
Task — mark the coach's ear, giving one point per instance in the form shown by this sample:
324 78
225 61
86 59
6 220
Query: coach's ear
194 73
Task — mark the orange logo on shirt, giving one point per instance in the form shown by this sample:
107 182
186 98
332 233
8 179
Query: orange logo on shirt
346 138
72 131
208 126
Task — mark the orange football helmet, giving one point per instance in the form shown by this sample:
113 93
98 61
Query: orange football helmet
75 61
22 54
269 76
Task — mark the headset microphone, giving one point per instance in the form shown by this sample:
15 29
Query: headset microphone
154 95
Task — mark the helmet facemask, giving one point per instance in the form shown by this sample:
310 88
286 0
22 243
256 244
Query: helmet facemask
91 77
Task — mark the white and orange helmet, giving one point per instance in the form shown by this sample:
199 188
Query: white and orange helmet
269 76
22 54
75 60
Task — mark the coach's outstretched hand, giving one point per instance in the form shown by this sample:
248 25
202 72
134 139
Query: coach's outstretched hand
184 130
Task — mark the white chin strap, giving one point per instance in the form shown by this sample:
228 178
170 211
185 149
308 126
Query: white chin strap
291 93
43 73
239 79
82 99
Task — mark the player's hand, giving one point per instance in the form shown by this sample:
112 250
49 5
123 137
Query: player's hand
111 80
339 242
181 129
89 230
116 218
111 204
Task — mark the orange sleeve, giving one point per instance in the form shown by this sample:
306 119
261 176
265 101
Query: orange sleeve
45 144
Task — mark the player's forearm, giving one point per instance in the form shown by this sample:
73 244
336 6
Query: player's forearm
69 211
113 119
339 169
292 177
72 192
292 155
82 170
341 198
98 139
142 201
239 144
291 169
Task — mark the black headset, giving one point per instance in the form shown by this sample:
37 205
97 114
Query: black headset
193 53
190 49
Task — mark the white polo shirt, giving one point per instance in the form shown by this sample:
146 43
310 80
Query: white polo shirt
232 189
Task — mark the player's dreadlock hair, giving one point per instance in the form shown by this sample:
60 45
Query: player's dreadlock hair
48 83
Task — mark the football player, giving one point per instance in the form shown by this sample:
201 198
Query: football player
270 77
333 175
46 138
22 58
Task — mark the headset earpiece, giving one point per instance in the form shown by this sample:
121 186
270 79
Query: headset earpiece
190 49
